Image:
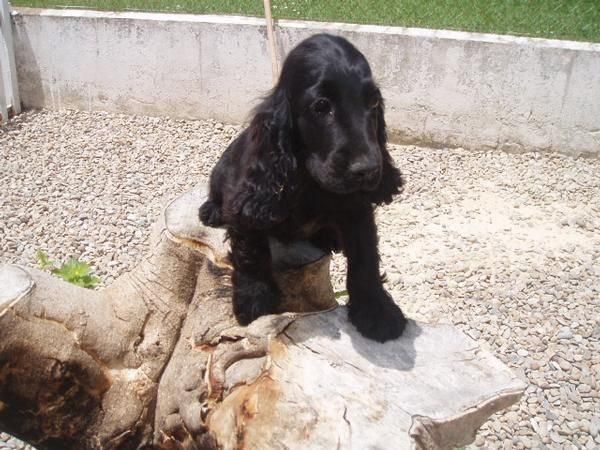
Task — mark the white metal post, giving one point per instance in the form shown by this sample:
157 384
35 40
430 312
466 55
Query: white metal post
8 65
3 102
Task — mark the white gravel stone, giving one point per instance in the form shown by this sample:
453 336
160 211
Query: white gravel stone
565 333
594 426
505 246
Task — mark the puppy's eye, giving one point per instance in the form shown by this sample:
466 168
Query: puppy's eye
322 107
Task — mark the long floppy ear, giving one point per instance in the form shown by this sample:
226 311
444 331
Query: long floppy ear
391 178
270 185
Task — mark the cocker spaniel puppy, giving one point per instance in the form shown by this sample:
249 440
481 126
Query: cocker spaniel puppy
313 164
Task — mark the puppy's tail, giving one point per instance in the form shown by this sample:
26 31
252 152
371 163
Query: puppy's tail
211 215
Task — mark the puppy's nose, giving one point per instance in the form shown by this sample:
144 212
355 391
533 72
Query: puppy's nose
364 169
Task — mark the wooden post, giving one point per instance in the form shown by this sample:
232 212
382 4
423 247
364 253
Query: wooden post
271 39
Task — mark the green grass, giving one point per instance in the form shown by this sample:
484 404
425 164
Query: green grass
558 19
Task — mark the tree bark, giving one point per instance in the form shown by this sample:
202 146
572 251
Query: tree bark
156 360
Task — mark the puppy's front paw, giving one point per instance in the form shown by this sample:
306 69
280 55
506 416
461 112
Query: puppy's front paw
252 299
377 317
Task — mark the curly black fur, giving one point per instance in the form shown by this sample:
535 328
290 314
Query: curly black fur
312 165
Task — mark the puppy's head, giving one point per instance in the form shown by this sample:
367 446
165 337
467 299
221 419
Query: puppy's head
337 113
324 116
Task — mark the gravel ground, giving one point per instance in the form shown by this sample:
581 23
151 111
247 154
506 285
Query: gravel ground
507 247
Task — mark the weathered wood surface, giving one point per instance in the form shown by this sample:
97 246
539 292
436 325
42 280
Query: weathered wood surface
157 360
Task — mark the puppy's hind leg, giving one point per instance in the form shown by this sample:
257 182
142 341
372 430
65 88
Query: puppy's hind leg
255 293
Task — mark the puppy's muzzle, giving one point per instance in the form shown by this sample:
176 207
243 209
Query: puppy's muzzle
365 174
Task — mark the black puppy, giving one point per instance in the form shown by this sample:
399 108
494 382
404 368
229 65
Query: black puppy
311 165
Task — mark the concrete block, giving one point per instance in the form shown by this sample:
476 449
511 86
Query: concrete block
442 88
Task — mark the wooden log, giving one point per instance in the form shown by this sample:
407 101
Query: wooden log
156 360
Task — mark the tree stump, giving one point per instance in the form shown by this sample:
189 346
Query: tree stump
157 360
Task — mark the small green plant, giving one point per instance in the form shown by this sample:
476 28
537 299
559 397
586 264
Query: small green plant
71 270
339 294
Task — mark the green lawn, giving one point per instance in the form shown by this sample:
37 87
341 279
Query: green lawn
558 19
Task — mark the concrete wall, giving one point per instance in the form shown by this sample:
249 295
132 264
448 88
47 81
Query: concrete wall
441 88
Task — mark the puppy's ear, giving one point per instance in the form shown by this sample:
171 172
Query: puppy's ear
391 178
271 182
